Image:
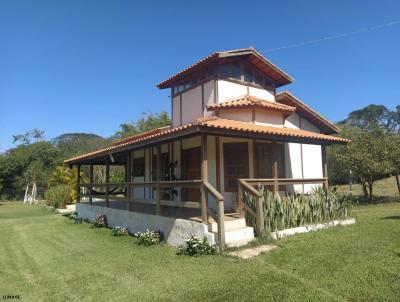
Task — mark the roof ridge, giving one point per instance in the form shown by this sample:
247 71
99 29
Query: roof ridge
119 141
310 110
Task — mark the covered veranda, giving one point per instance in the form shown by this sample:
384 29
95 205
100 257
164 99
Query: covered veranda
196 191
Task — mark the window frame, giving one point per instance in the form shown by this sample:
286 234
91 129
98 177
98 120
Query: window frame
226 153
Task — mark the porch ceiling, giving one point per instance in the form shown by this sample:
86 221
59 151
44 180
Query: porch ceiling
210 125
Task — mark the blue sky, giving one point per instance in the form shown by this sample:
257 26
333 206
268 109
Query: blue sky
88 66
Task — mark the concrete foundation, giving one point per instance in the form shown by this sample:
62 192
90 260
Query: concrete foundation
311 228
175 231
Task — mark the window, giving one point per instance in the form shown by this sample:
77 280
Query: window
164 165
138 167
230 70
236 164
258 79
248 75
264 156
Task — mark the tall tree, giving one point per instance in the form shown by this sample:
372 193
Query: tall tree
147 122
368 155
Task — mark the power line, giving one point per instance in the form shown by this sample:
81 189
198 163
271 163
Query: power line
334 37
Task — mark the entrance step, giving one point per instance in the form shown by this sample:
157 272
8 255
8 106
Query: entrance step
232 224
239 236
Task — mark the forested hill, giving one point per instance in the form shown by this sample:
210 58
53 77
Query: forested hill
35 159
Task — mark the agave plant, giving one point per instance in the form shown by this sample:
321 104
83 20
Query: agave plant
294 209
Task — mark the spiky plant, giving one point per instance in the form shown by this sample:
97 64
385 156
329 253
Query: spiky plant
295 209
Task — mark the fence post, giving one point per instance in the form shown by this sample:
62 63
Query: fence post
324 167
78 184
107 181
240 199
221 225
259 215
91 183
204 178
158 188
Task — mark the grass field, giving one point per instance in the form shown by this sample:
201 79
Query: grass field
45 257
383 189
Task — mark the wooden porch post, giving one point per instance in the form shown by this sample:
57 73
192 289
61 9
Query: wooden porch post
78 184
324 167
259 215
204 178
128 180
240 200
275 168
107 182
91 183
158 205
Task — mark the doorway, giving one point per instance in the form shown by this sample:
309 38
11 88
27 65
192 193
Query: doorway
191 169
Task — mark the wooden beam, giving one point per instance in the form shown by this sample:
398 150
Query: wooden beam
275 168
158 187
78 184
221 225
259 216
128 180
324 167
204 178
107 182
91 183
217 163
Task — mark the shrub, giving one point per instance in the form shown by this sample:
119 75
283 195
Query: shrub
58 196
119 231
148 238
196 247
298 209
100 221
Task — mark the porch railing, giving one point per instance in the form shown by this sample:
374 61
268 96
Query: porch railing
249 185
123 192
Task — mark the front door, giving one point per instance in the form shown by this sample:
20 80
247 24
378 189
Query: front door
191 167
236 164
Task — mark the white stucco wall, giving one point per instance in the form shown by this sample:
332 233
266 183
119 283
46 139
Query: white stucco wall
238 115
191 105
262 93
269 118
228 90
209 96
302 160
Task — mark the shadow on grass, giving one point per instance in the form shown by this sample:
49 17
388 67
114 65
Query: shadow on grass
392 217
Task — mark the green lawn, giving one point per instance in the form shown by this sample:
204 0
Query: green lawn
383 189
45 257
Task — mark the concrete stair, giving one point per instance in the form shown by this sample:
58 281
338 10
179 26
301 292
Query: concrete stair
236 232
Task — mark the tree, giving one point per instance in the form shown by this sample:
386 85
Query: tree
147 122
25 164
72 144
374 116
368 155
26 138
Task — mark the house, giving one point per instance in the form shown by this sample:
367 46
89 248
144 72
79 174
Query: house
231 132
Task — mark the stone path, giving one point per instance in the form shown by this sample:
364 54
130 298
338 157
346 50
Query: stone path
254 251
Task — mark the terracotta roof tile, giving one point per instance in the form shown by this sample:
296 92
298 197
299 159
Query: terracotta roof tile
249 101
287 98
137 136
213 123
256 128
